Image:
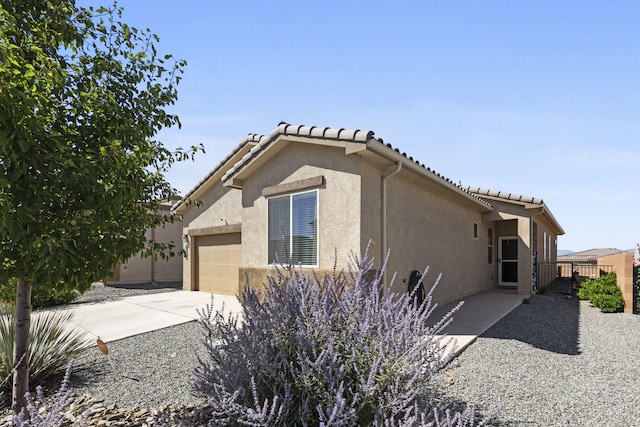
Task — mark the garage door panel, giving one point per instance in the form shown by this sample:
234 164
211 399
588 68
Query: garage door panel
218 261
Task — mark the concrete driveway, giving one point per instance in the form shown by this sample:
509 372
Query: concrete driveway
117 319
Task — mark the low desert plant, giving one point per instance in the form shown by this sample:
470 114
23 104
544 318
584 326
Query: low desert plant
603 293
53 342
43 412
336 350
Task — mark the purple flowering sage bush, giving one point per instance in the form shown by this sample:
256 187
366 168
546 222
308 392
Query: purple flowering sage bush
42 412
337 350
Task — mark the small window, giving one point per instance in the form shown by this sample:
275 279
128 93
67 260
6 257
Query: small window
490 245
293 229
475 230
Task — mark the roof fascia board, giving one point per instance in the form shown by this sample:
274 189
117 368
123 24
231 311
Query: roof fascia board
506 208
277 144
213 177
259 159
355 147
549 216
318 141
521 203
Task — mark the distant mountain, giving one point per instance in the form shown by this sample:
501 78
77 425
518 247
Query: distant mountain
564 252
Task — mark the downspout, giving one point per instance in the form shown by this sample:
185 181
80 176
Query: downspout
384 214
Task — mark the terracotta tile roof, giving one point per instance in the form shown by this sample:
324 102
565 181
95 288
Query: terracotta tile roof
446 181
590 254
504 195
284 128
339 134
511 197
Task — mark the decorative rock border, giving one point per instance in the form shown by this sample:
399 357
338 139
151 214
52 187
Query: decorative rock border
94 412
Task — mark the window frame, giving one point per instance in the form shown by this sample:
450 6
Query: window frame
290 242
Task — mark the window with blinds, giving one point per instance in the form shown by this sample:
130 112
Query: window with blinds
293 228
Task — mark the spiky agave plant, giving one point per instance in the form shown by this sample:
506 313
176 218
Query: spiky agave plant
53 342
337 350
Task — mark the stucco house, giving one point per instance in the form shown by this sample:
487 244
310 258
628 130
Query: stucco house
318 193
139 269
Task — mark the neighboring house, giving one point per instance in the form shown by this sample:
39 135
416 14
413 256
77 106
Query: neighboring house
594 263
320 194
589 256
140 269
585 264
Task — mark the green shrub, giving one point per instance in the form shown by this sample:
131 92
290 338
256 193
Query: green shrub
608 303
53 342
585 289
603 293
41 296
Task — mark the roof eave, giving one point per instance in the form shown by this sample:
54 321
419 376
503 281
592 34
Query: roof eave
235 177
385 151
216 173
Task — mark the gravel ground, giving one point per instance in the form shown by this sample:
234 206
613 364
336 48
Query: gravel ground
100 292
554 362
148 370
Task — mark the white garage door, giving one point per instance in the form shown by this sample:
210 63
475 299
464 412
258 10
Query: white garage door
218 260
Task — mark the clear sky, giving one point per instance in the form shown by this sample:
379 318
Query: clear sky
538 98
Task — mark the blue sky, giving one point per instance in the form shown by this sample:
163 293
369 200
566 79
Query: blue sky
539 98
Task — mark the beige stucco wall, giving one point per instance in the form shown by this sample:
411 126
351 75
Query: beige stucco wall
426 227
220 207
140 269
514 220
545 243
339 207
623 267
371 213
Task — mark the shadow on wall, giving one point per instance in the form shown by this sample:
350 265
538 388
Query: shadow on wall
549 322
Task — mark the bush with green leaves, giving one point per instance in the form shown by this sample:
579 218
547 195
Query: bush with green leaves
41 295
603 293
336 350
53 342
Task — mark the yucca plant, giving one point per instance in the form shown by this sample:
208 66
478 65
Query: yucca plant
338 350
53 342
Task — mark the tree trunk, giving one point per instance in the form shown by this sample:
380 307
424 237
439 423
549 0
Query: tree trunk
21 345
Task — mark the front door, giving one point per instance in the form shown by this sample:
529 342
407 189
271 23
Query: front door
508 261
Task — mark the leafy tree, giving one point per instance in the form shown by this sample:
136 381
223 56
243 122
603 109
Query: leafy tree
82 98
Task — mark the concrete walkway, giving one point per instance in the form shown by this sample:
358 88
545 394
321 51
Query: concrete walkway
126 317
114 320
478 313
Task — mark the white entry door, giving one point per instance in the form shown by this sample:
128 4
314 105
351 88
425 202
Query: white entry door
508 261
